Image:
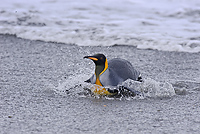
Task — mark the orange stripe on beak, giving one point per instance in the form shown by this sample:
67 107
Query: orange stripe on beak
92 58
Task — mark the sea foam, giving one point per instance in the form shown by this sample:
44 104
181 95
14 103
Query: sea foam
167 25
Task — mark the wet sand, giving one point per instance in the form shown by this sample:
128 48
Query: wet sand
28 105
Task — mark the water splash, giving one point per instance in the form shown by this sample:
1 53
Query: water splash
184 87
75 86
155 89
151 88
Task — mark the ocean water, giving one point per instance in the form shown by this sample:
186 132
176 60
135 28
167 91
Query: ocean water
167 25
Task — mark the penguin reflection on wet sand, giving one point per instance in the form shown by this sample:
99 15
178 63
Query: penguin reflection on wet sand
111 73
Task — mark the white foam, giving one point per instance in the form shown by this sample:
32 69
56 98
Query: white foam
151 88
72 82
167 25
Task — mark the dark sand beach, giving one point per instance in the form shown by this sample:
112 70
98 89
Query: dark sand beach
30 104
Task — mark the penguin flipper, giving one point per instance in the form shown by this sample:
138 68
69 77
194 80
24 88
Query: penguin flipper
114 91
140 78
88 81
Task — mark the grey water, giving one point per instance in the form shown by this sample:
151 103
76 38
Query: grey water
30 102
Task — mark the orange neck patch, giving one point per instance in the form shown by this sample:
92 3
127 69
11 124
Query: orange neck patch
98 82
98 89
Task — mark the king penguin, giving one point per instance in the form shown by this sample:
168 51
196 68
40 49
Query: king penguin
111 73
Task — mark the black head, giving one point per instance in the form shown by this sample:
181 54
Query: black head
100 62
98 59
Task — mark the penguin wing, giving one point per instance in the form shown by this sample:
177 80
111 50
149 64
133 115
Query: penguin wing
110 78
124 69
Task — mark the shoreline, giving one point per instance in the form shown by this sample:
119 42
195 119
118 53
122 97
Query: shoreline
114 45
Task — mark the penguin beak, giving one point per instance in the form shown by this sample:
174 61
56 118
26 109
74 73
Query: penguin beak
91 57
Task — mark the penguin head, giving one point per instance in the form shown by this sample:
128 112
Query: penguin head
100 62
98 59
